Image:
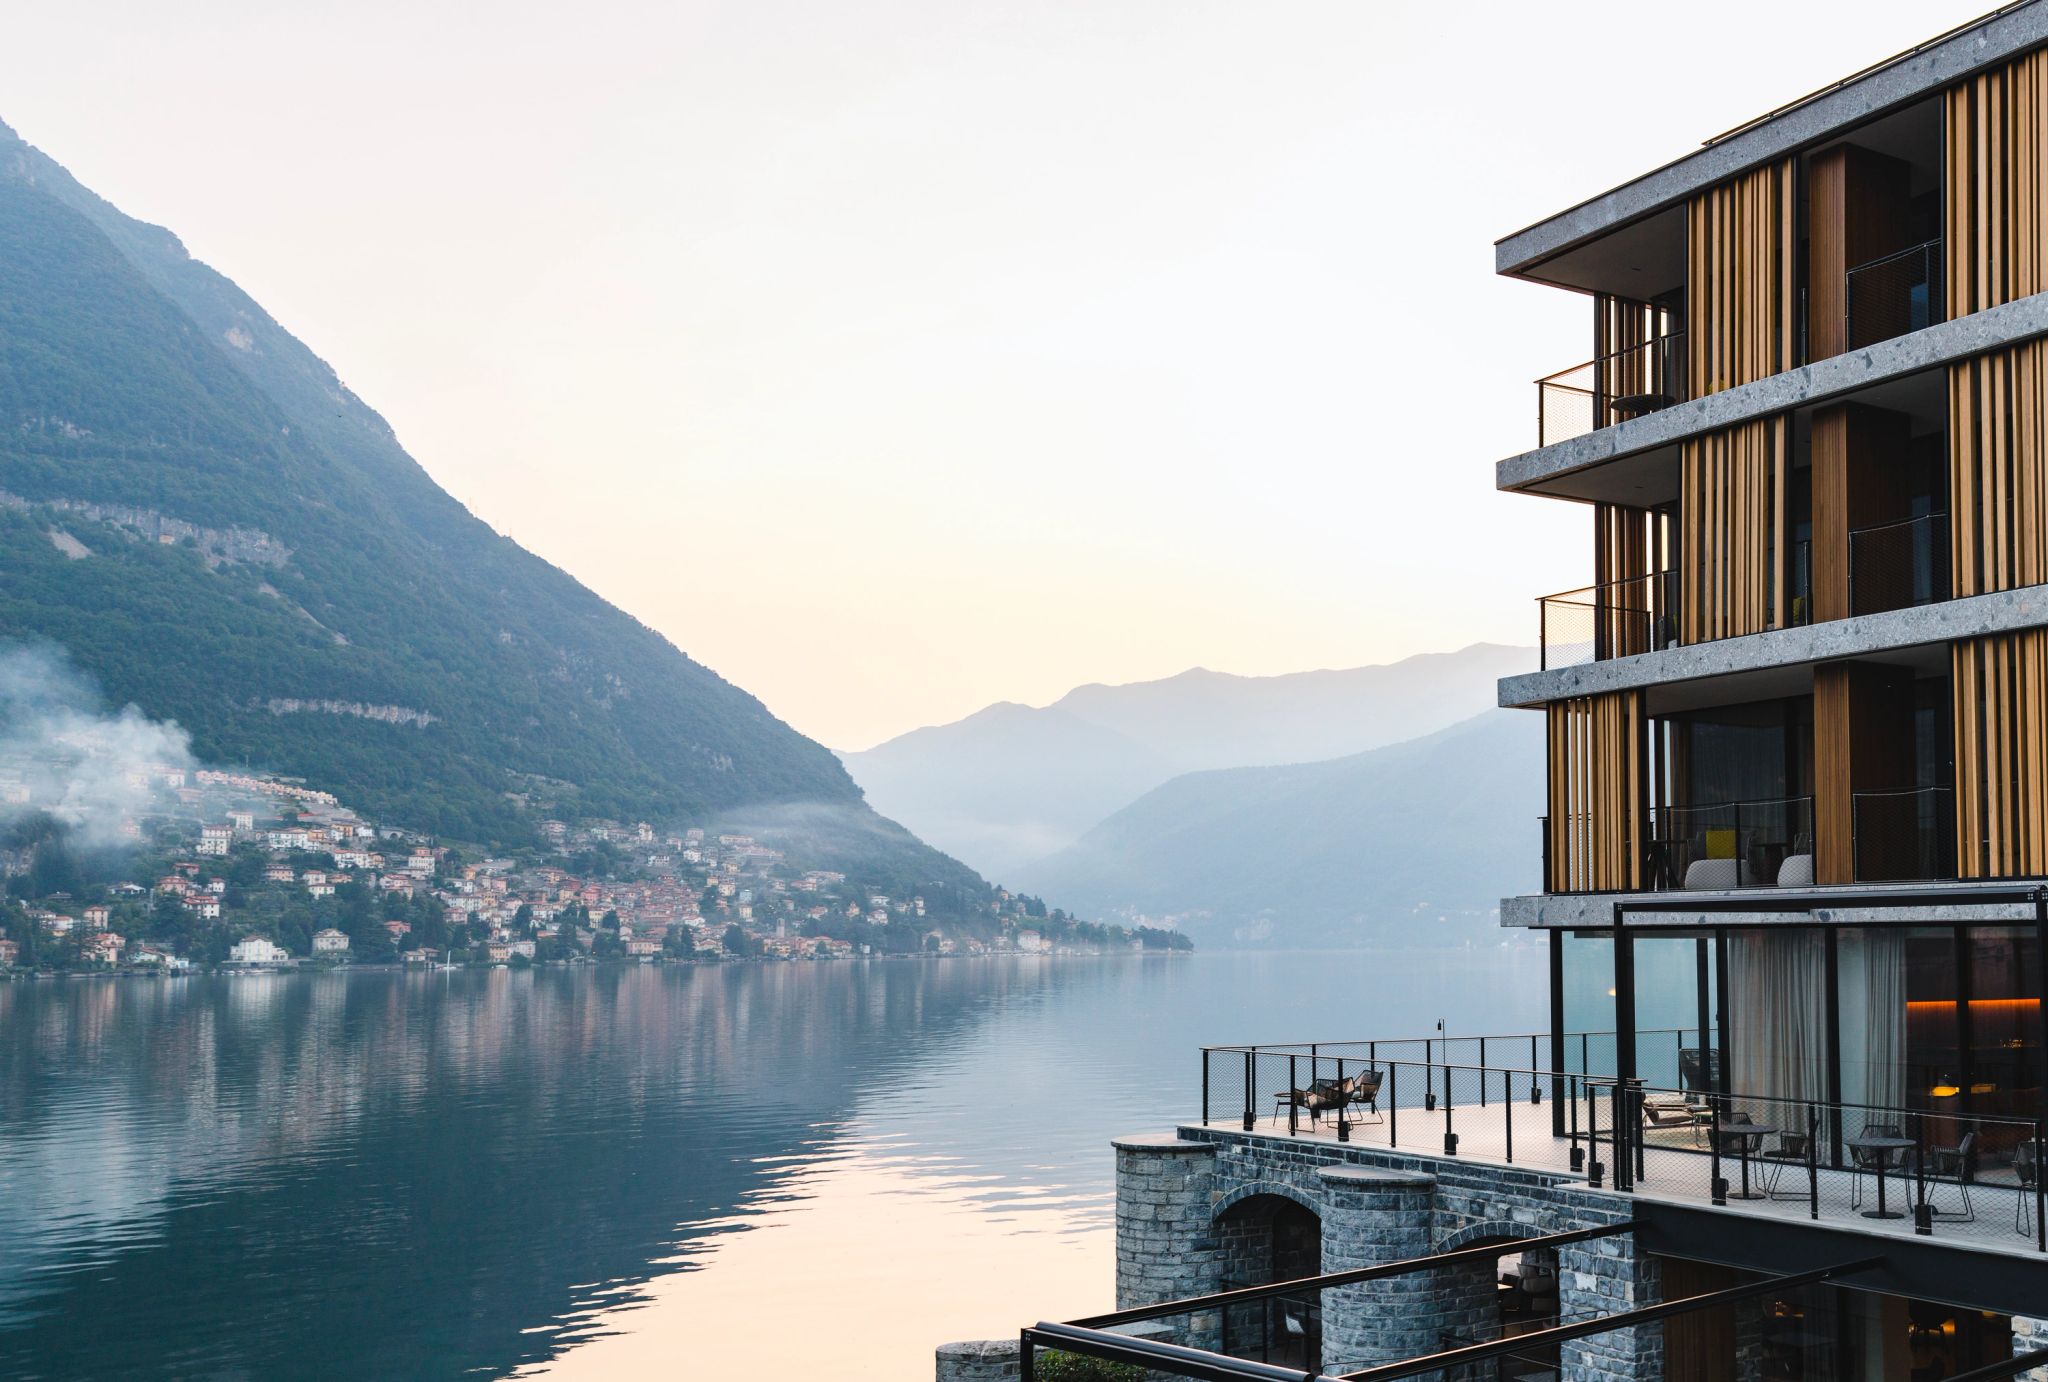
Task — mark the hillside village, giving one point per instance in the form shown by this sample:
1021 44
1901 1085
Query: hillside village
238 871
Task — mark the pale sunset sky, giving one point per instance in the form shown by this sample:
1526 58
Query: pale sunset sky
895 358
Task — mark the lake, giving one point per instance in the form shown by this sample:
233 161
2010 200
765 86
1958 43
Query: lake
612 1172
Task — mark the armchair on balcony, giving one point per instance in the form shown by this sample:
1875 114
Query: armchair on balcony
1796 871
1717 873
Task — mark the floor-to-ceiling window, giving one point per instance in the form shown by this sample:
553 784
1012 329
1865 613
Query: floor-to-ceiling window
1676 1016
1589 1004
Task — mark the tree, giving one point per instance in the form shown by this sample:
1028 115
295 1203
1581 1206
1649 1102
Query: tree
738 943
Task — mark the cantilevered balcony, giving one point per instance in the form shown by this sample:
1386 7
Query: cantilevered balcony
1611 388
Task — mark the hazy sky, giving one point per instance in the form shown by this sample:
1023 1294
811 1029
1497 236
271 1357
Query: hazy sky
894 358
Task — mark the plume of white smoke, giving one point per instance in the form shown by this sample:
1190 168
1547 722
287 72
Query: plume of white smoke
64 754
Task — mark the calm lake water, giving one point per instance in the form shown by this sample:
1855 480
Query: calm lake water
617 1172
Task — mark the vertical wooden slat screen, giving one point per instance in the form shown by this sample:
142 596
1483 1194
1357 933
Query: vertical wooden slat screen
1624 361
2001 737
1598 799
1731 545
1628 600
1997 226
1998 470
1742 300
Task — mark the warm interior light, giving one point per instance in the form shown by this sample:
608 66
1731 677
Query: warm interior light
1610 993
1947 1089
1928 1004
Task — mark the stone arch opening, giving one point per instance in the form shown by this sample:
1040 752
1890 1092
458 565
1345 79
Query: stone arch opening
1262 1238
1499 1297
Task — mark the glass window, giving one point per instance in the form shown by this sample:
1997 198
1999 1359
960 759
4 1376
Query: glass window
1674 1000
1588 1014
2004 1022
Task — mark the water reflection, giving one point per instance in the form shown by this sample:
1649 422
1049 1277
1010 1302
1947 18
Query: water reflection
609 1172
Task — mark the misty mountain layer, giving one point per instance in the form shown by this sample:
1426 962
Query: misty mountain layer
1410 842
1012 784
215 529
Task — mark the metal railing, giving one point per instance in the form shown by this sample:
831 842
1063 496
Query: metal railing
1899 565
1737 844
1617 619
1905 836
1894 294
1942 1172
1621 384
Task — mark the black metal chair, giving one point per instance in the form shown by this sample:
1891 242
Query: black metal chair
1365 1092
1870 1160
1957 1163
2028 1170
1793 1149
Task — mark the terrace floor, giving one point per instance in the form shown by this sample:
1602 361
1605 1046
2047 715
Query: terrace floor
1678 1168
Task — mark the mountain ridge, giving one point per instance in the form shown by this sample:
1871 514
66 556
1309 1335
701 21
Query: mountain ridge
1325 853
146 401
1011 784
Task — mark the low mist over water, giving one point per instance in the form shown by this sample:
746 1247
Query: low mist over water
576 1172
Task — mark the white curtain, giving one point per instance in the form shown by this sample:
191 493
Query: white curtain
1872 967
1777 1020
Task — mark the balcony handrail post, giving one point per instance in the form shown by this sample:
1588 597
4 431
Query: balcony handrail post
1205 1086
1716 1184
1592 1138
1507 1105
1923 1213
1450 1127
1393 1103
2040 1191
1813 1162
1635 1129
1293 1099
1482 1072
1249 1080
1578 1153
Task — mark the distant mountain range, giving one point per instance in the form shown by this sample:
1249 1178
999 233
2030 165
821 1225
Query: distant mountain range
216 529
1420 839
1012 785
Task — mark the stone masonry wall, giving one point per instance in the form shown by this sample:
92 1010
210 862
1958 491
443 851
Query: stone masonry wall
2028 1335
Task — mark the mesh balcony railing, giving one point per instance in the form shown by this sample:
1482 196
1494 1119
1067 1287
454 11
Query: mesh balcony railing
1737 844
1597 622
1622 384
1934 1167
1905 836
1899 565
1895 294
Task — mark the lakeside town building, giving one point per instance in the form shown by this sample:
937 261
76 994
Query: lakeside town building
1786 1122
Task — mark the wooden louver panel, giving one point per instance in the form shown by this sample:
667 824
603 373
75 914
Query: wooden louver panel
1997 228
1998 470
1628 599
1597 796
2001 733
1732 541
1741 293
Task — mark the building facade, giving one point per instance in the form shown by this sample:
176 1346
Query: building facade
1795 857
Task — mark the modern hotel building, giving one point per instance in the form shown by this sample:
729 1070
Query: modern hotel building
1787 1120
